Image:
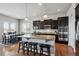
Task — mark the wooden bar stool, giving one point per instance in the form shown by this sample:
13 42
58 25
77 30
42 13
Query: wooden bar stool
33 47
22 46
45 46
25 47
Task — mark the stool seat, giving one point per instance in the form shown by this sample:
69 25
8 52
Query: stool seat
45 45
25 42
33 43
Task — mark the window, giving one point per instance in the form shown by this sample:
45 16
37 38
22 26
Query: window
6 27
26 27
9 27
12 27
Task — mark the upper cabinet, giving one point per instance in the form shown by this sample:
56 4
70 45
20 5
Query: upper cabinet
55 24
63 21
46 24
36 24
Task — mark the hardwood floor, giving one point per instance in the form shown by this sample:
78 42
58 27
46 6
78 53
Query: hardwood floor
77 48
63 50
12 50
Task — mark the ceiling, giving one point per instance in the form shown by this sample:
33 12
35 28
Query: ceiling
22 10
16 10
46 8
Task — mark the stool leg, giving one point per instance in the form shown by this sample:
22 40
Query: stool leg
31 48
19 47
28 50
34 50
5 41
41 51
48 51
23 48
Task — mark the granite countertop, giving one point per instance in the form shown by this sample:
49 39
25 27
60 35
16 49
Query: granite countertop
39 33
41 37
46 37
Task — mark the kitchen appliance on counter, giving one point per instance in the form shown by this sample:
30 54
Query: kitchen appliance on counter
46 31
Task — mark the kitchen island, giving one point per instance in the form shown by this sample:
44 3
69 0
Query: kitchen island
41 39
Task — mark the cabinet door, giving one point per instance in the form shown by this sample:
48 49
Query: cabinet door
55 24
59 21
48 22
41 25
63 21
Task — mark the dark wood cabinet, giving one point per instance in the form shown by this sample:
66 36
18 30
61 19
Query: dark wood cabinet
53 24
48 22
41 25
63 21
63 29
36 24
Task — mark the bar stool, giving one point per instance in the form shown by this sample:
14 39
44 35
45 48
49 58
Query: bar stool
33 46
45 46
22 46
25 47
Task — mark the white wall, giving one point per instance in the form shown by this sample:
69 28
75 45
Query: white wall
29 25
71 14
3 19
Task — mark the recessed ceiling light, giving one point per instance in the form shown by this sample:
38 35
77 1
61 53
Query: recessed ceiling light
39 4
26 18
58 10
45 16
